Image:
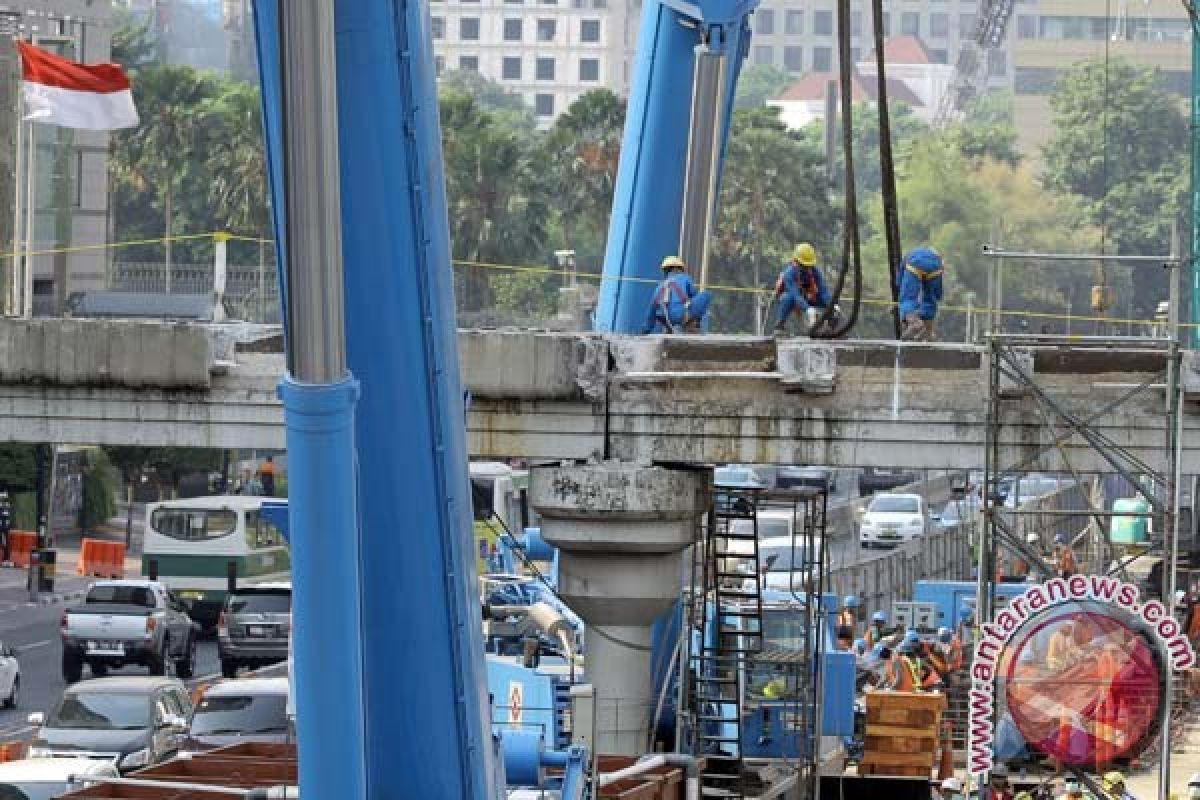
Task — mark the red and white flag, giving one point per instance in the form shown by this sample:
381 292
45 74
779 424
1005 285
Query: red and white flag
61 92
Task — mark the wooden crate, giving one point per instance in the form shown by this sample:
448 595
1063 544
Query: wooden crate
902 733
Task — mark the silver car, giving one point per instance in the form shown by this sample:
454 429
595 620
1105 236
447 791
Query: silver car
254 626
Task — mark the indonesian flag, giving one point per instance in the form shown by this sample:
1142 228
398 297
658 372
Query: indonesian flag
61 92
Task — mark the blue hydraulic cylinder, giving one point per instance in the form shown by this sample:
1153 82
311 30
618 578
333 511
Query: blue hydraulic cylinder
424 695
327 642
648 199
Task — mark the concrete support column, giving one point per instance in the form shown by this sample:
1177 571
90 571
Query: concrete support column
620 529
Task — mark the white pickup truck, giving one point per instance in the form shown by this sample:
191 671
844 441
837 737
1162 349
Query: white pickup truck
128 622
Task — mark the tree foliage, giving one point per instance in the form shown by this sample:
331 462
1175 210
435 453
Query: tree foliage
759 83
99 490
1121 147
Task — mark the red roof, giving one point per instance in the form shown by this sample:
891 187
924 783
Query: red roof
904 50
811 88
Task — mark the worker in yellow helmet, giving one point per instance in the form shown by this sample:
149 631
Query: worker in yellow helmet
801 287
677 306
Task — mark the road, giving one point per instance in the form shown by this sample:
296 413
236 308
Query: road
32 630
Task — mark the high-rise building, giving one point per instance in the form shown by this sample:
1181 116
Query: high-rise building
1052 36
70 213
548 51
800 36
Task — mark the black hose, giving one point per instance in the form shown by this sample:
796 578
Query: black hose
851 253
891 211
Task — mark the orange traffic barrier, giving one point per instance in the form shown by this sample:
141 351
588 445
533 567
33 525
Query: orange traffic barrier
21 545
13 751
101 559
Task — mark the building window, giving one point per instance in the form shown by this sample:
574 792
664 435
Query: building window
793 58
793 22
513 30
822 59
1027 27
887 23
510 68
910 23
545 69
1034 80
939 55
823 23
468 29
855 55
438 27
546 30
966 24
856 23
515 2
439 64
589 69
543 105
589 30
764 54
997 63
939 25
764 22
468 63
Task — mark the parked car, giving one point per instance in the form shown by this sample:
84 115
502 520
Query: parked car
254 626
46 778
879 479
242 710
893 519
128 622
131 721
815 476
10 678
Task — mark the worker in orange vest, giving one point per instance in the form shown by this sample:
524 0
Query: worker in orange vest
909 674
1064 556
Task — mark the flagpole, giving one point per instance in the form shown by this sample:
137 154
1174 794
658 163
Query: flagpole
31 185
12 300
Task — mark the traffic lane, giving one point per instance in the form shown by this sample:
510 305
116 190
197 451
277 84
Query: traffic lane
40 655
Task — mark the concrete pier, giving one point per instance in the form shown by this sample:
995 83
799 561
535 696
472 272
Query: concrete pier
620 529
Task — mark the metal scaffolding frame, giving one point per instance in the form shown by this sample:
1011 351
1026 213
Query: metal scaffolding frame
1010 374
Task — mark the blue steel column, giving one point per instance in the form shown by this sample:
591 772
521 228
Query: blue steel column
424 687
648 199
318 397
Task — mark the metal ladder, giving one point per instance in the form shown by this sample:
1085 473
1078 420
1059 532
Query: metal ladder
727 621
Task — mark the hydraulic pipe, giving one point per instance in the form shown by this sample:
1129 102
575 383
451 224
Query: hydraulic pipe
700 178
319 396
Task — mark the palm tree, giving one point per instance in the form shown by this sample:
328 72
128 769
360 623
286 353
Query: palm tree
158 156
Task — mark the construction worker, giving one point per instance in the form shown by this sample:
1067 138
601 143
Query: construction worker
998 787
909 672
1064 556
678 306
859 648
1114 787
848 616
920 293
877 629
801 287
951 789
266 477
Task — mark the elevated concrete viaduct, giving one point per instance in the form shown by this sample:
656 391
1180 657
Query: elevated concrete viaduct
556 396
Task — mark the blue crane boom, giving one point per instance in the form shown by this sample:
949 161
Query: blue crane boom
677 123
399 707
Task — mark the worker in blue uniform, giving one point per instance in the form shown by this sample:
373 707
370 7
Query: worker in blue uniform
920 293
801 287
678 306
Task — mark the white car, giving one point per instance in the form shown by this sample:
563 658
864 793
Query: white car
10 676
785 562
44 778
893 519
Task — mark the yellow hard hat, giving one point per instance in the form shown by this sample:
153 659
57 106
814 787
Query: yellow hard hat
1113 779
806 254
672 262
